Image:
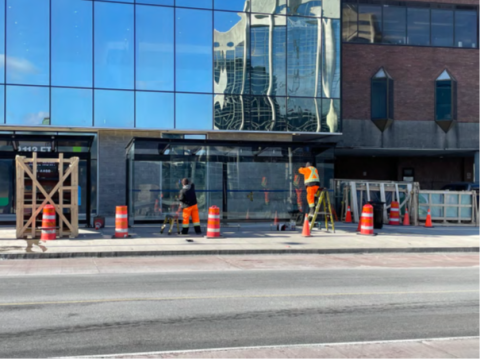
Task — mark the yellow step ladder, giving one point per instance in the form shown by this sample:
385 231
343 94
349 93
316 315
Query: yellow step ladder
324 200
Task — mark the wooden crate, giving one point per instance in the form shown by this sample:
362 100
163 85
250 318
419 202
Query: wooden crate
35 190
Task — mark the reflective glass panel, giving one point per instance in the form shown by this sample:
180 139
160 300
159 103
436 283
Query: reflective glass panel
2 41
193 50
269 7
34 112
155 58
331 116
232 112
72 43
305 7
303 64
369 23
442 27
193 112
443 99
114 50
268 113
201 4
466 28
418 26
304 115
331 8
72 107
379 99
120 0
394 24
266 80
157 2
28 24
234 5
349 21
155 110
231 53
114 108
331 58
2 104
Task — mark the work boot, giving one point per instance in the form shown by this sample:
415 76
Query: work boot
185 231
198 229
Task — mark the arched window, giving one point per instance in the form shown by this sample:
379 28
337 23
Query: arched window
445 100
382 99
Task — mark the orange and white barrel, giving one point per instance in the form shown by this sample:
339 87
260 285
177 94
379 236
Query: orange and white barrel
213 225
121 222
366 226
394 214
48 223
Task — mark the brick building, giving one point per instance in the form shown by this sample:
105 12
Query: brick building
414 43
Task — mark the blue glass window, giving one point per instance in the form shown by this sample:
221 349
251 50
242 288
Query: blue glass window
234 5
34 112
114 108
268 113
72 107
201 4
2 104
155 58
157 2
442 27
120 0
269 7
394 24
28 24
114 49
2 43
304 115
331 116
72 43
155 110
194 112
418 26
231 58
193 50
466 24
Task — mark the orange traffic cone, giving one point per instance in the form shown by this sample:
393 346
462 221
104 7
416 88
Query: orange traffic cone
306 228
406 218
428 222
348 217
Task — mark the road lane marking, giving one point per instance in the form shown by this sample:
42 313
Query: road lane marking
262 347
254 296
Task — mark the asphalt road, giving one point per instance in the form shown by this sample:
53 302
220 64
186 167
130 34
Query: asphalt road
108 314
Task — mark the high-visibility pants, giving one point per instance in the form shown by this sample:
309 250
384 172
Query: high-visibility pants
188 212
311 192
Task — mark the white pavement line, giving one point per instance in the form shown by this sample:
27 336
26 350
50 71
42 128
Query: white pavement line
277 346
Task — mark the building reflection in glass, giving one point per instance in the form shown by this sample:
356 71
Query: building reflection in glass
265 60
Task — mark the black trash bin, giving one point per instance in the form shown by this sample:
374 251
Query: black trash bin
377 214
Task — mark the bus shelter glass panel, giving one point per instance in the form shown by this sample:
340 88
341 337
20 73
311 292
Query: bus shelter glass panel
249 182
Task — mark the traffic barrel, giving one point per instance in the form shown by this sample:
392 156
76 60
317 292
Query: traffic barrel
121 222
213 224
366 227
394 214
48 223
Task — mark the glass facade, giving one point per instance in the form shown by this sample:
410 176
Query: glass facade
251 181
199 65
410 23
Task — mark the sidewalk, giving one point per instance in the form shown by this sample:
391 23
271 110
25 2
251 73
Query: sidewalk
244 239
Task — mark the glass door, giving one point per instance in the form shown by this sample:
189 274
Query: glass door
7 190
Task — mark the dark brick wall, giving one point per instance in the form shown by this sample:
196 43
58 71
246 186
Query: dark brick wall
414 70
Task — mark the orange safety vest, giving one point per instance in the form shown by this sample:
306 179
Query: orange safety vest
310 174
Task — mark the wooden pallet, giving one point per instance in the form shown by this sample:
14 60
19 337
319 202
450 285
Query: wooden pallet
63 195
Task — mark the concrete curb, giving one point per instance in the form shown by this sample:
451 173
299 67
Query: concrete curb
235 252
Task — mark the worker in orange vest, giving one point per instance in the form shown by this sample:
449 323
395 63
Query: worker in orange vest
188 199
312 182
298 191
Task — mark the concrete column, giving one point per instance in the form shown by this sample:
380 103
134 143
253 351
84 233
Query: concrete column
477 169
